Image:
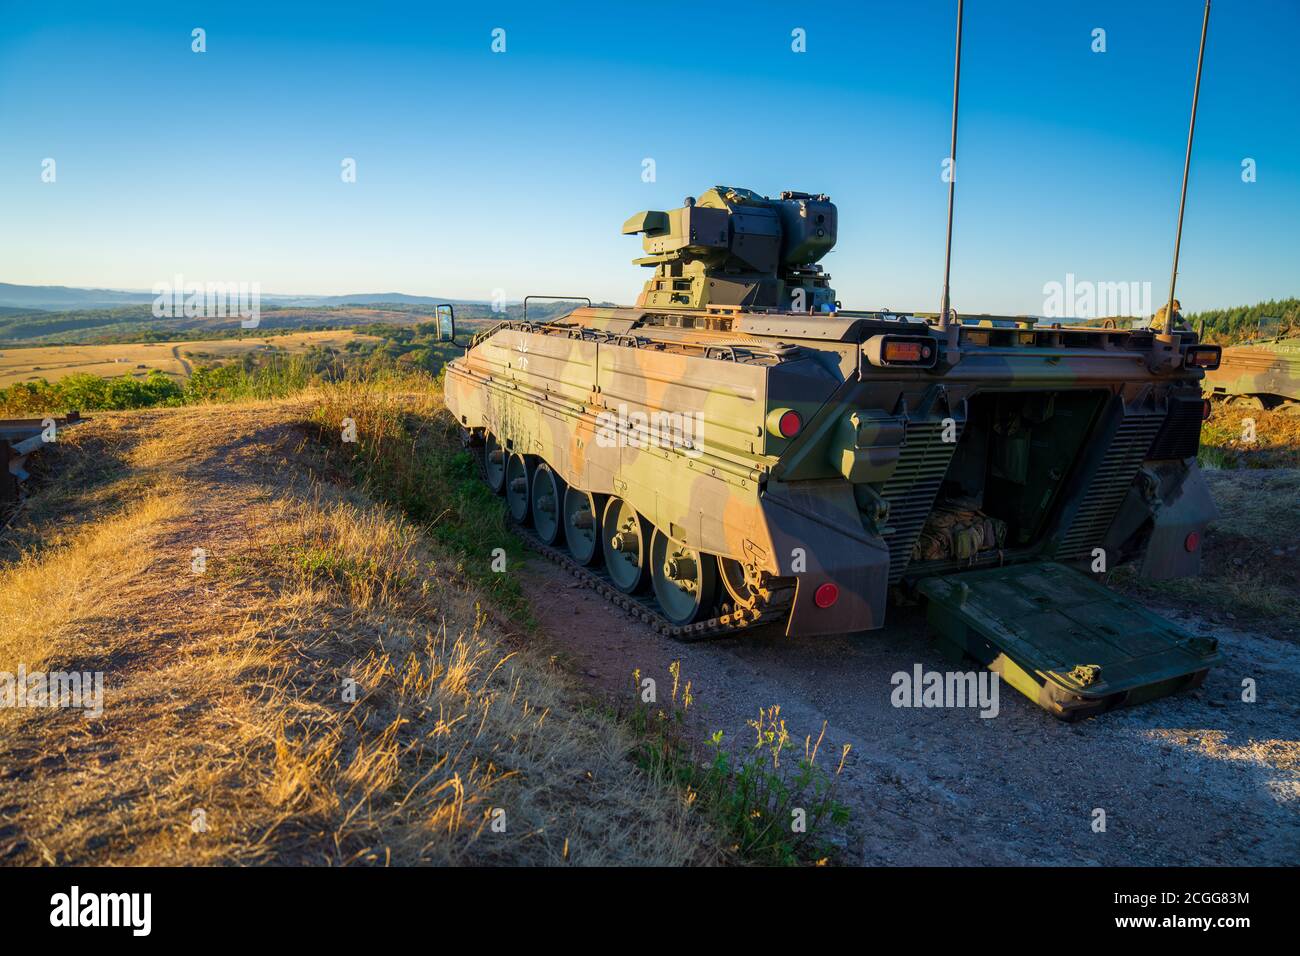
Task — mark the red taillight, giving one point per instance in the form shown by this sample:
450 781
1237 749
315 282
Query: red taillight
1206 409
789 424
918 351
826 595
1192 542
903 352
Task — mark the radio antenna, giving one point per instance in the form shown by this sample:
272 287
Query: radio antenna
1187 164
945 305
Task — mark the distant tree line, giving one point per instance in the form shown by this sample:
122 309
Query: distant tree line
404 346
1227 326
254 375
273 375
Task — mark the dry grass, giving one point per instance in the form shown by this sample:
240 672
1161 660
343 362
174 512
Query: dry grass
1226 440
230 733
1250 572
42 597
408 454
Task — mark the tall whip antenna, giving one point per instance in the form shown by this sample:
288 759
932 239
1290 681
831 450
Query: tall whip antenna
952 174
1187 164
945 306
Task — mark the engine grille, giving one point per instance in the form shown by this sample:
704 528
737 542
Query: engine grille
1127 451
911 490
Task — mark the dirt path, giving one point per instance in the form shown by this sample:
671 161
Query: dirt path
223 734
1201 778
184 363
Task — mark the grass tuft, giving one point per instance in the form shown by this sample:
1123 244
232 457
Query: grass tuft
1244 438
407 453
774 800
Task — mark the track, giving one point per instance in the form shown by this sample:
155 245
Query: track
642 606
723 621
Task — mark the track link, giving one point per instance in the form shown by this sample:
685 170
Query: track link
724 621
642 606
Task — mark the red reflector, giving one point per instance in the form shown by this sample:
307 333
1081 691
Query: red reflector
1206 409
826 595
1192 542
905 352
790 424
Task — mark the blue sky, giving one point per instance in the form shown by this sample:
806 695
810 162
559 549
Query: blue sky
479 171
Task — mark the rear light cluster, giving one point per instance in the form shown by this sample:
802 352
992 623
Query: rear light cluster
917 351
785 422
1207 408
907 352
1203 356
1192 542
789 424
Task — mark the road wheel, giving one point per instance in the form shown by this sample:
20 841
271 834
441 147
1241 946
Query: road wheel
685 580
733 577
582 514
547 499
519 475
494 464
625 539
1251 403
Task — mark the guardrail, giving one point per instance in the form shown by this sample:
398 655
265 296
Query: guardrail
19 437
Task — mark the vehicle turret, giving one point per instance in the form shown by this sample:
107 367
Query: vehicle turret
733 247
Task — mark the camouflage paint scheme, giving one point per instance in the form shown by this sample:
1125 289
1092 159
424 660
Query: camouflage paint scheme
1260 375
843 501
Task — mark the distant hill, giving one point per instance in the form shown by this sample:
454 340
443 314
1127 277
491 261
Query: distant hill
62 298
367 298
136 323
56 297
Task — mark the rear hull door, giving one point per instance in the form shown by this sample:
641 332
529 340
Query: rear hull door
1062 639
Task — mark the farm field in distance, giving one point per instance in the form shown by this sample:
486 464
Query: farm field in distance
175 359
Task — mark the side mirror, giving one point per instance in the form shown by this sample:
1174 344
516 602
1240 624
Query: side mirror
445 316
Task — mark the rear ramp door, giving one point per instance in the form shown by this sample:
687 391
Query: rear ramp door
1063 640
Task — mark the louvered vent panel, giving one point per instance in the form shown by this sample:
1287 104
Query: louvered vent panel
911 491
1181 435
1108 487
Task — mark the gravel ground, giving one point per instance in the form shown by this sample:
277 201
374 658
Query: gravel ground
1199 778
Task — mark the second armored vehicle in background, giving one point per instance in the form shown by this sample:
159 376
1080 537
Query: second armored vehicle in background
1261 373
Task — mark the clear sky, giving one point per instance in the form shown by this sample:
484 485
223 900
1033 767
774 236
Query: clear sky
479 170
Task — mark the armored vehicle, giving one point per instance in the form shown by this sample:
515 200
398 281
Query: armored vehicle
738 448
1262 373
